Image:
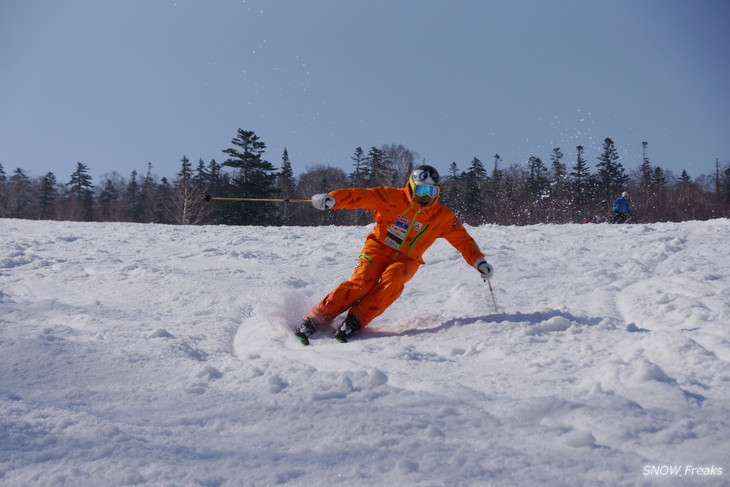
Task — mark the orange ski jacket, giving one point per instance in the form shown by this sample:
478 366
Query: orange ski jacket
404 225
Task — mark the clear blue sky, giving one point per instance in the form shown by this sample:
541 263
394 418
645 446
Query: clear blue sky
116 84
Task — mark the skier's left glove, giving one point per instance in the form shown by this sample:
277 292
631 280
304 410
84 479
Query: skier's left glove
484 268
323 201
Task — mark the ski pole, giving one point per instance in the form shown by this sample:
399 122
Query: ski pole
494 301
287 200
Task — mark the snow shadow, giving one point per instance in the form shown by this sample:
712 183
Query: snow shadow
538 323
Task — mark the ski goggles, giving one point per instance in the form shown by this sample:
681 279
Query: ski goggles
426 190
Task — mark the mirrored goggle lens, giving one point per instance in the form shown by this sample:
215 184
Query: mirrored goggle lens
426 190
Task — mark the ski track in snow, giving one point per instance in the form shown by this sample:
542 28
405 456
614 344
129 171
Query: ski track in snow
163 355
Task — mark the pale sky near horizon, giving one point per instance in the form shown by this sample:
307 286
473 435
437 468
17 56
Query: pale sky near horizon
116 84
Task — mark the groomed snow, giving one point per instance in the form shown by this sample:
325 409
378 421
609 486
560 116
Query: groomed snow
162 355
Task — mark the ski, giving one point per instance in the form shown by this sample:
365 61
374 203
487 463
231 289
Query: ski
302 338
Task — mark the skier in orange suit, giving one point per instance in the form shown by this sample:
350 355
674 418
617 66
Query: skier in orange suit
407 221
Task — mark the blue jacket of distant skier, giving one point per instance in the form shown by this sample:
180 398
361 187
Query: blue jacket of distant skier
621 206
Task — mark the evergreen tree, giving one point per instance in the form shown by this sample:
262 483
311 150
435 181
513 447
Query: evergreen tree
496 200
451 191
580 178
47 196
133 198
497 173
379 172
201 175
3 176
285 179
186 169
537 183
684 177
20 194
559 170
148 196
611 176
537 188
559 189
659 178
216 179
645 169
254 178
474 182
163 198
81 194
286 186
108 201
360 176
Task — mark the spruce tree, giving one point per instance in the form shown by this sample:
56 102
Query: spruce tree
108 201
557 166
186 169
360 176
285 178
148 191
254 177
580 178
659 177
537 183
47 196
81 193
559 197
378 169
450 190
163 200
133 199
497 173
496 200
216 179
286 186
684 177
611 176
645 170
201 174
20 195
474 182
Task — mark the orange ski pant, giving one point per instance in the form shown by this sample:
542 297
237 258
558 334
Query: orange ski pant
377 281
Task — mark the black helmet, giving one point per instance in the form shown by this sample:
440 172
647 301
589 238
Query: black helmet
424 175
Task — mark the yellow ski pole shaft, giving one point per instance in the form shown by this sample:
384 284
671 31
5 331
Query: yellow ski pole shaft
270 200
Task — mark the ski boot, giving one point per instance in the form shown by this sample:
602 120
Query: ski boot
305 330
349 327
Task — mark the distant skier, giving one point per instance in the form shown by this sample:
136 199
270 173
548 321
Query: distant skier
620 207
407 221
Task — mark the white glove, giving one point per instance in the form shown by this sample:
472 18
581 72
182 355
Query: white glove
486 269
323 201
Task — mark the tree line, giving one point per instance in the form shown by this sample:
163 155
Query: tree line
567 189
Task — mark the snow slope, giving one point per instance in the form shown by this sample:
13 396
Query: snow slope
161 355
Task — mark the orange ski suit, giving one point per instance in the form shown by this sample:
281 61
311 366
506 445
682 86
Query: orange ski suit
393 251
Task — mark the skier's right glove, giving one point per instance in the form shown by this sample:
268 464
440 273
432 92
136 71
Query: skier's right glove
323 201
484 268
